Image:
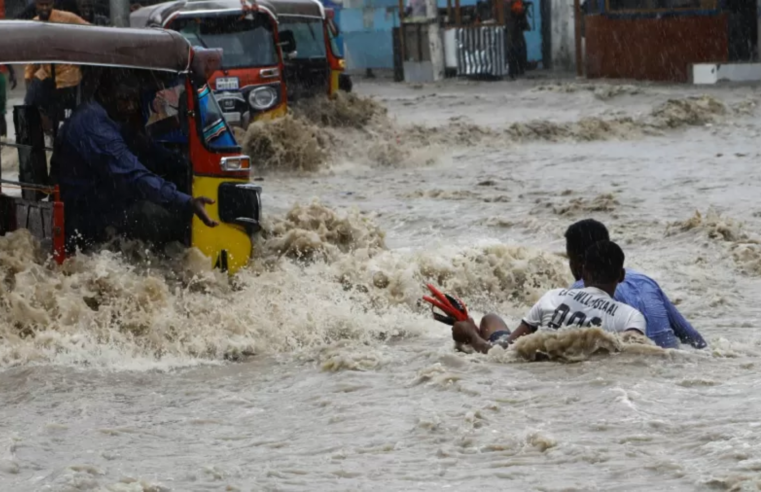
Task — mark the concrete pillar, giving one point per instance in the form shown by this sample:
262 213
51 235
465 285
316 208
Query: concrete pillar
563 34
119 13
757 56
435 42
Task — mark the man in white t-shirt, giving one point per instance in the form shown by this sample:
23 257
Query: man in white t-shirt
566 308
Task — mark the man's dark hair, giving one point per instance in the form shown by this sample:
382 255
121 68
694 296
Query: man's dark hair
603 263
583 234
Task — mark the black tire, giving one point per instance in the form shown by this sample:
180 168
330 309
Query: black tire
344 82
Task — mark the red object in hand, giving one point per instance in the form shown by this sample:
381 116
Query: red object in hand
454 309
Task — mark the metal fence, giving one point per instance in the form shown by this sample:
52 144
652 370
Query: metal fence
481 51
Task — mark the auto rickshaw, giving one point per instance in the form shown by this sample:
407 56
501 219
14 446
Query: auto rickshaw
248 85
275 51
178 114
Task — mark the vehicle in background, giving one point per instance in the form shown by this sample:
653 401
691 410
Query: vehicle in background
248 85
275 52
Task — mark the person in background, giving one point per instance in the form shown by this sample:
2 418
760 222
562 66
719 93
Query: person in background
30 11
5 70
87 11
665 324
40 89
517 23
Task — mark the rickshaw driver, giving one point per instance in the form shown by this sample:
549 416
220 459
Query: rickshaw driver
104 184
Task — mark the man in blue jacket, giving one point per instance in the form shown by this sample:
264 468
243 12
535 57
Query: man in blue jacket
104 184
665 324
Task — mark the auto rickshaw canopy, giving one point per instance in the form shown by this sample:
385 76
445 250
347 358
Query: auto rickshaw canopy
47 42
160 14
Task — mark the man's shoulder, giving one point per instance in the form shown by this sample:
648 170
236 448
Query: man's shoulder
91 118
638 280
550 297
88 112
555 293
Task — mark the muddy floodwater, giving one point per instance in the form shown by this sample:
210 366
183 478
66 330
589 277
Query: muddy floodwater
317 369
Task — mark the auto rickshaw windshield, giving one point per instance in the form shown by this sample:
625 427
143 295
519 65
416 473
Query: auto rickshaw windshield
309 36
245 41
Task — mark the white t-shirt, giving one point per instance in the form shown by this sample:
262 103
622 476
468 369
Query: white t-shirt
561 308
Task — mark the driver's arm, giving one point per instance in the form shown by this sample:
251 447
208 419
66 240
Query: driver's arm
121 166
118 164
154 156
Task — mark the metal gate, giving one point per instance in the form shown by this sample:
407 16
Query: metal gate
481 51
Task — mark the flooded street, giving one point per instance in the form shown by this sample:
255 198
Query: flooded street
324 373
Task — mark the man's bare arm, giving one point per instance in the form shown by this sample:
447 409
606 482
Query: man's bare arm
466 332
522 330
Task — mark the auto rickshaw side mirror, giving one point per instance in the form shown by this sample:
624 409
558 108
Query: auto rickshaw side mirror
287 42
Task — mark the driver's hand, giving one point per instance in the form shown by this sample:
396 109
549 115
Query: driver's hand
198 207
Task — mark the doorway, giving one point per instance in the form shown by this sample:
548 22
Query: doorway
742 28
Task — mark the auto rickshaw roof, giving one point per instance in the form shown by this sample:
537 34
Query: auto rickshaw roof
47 42
295 8
159 14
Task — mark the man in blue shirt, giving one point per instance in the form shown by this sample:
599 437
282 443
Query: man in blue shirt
664 322
103 183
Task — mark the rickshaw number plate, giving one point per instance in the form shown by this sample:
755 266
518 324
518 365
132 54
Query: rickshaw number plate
227 84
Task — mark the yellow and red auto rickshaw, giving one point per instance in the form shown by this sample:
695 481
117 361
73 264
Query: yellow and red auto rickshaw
248 84
179 114
274 51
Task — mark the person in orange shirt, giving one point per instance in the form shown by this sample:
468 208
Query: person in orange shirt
39 78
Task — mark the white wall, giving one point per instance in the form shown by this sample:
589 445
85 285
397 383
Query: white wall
563 41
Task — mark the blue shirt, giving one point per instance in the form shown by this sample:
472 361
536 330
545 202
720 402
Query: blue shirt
100 177
663 318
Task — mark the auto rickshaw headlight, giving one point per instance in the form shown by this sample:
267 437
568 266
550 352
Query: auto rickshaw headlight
237 163
262 98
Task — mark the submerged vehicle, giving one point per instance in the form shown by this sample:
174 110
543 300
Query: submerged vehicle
178 114
274 51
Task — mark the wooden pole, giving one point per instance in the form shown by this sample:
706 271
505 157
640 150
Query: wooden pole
457 16
577 35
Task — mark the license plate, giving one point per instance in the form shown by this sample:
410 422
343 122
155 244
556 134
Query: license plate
227 84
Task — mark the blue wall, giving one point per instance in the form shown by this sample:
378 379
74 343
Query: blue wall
366 27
